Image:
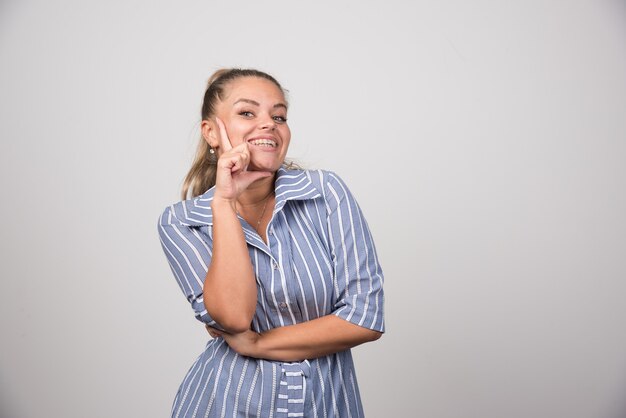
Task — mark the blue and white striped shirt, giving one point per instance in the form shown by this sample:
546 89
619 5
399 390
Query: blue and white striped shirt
320 259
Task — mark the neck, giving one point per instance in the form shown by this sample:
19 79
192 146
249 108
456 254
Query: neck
257 192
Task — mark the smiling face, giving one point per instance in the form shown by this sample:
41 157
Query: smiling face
253 110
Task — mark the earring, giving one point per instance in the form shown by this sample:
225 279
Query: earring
211 150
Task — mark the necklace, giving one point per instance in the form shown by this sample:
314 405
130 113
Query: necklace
258 222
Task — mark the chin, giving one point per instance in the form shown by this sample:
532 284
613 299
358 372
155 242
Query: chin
265 166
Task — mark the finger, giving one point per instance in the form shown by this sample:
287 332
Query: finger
242 151
241 163
246 155
242 148
235 162
224 140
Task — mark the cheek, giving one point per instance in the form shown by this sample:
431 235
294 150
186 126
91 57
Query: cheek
287 136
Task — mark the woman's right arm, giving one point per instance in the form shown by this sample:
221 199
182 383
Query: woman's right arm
230 291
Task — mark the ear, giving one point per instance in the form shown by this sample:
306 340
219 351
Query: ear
209 130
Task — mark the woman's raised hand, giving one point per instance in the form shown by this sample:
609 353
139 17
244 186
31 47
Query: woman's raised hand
232 176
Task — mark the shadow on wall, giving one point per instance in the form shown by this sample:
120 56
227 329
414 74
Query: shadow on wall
620 410
9 406
7 410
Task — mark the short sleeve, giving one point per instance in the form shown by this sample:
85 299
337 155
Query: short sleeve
189 255
358 277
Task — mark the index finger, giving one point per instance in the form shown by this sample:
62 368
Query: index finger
224 140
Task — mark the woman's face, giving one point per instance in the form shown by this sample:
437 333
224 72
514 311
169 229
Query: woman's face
255 111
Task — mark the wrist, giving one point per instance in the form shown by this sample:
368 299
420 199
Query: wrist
257 347
220 204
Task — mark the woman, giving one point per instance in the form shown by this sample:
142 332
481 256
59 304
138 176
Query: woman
278 263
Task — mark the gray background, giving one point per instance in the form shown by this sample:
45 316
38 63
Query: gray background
485 141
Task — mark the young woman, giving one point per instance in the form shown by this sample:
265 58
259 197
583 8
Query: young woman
278 263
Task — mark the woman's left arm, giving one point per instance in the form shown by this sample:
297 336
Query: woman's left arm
318 337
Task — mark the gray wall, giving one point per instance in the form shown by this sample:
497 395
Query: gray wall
485 141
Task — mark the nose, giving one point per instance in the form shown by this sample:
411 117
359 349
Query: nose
269 124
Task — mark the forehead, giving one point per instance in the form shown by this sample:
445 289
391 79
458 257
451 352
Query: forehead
254 88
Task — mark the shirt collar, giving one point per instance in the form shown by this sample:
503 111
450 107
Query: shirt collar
289 185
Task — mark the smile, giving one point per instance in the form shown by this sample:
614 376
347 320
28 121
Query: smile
263 142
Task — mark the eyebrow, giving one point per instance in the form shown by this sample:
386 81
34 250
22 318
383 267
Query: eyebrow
255 103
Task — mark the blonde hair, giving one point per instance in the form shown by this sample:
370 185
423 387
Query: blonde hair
201 175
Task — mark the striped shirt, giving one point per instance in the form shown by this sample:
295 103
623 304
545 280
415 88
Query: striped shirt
320 259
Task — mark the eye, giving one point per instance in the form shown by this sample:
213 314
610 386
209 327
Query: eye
280 119
246 113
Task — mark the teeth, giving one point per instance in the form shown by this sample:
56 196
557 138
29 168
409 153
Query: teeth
263 142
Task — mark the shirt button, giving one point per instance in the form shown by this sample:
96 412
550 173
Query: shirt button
282 306
271 232
274 265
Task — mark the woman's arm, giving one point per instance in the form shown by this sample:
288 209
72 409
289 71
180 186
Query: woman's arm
318 337
230 291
